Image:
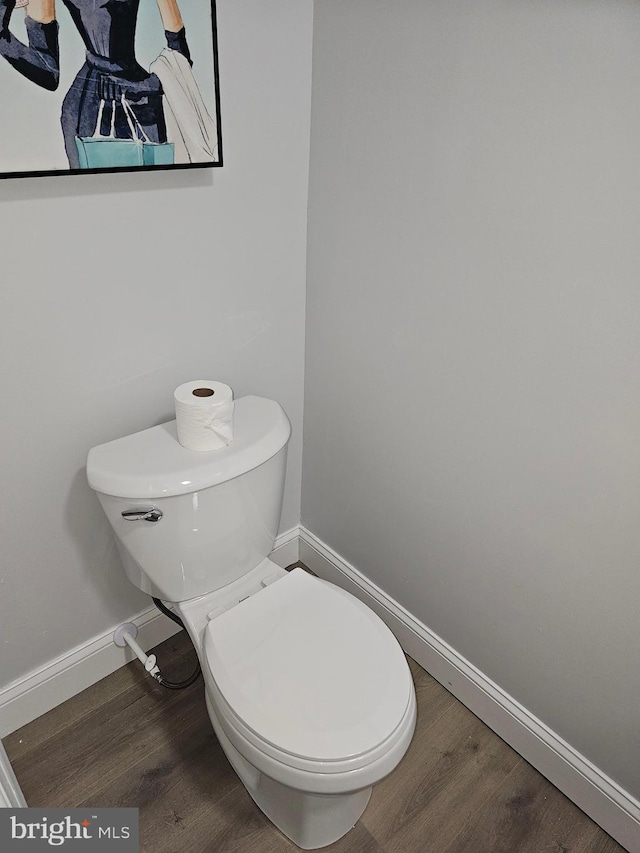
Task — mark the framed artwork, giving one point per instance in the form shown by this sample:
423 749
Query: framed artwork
90 86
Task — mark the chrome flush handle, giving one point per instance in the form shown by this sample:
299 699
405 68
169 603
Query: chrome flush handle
145 513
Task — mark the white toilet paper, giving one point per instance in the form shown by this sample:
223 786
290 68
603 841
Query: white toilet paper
204 414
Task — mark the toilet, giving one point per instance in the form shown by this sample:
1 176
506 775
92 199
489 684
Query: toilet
308 691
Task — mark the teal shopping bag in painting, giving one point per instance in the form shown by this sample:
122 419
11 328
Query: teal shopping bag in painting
110 152
158 153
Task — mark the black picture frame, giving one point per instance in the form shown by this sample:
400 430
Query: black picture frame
198 15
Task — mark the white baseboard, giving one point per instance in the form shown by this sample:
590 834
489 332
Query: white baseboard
609 805
58 680
286 548
11 796
42 689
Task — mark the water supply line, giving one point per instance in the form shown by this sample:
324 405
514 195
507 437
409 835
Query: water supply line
176 685
125 635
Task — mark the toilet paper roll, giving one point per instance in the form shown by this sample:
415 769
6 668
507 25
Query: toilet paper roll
204 414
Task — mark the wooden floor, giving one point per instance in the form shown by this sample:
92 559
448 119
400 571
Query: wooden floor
127 741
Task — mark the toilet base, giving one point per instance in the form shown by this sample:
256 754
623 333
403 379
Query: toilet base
311 821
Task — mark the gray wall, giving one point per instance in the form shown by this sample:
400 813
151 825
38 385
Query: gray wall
472 399
115 289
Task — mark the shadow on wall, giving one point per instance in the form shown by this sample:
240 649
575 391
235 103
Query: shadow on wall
92 535
66 186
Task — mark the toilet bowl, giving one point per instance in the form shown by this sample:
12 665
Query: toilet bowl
310 696
308 691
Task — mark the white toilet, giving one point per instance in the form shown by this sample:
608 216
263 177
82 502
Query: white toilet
307 689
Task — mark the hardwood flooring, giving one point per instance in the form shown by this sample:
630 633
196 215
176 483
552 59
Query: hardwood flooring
127 741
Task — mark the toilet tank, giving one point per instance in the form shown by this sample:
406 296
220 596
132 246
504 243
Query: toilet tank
220 509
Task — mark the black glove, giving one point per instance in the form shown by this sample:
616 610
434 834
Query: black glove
6 8
37 60
178 41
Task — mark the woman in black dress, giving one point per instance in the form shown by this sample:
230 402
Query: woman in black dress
107 28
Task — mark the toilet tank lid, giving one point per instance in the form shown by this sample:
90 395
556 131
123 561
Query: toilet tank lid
152 464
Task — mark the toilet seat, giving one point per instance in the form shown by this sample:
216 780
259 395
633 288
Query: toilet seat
309 676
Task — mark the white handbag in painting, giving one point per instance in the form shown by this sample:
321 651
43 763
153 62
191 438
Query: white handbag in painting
189 124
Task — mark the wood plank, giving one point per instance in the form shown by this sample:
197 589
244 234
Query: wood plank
232 824
132 675
600 842
78 760
174 786
528 814
433 699
190 766
235 824
450 769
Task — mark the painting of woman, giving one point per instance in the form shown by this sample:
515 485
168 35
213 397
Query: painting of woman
112 90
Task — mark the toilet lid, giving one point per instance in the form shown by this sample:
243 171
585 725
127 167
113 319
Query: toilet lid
309 669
